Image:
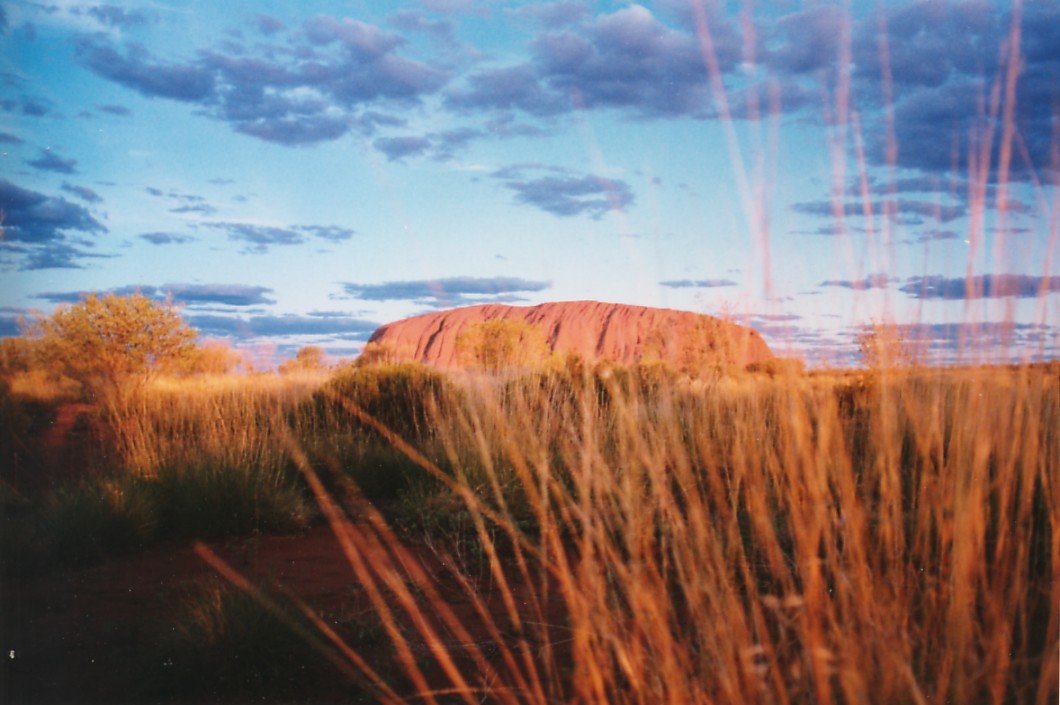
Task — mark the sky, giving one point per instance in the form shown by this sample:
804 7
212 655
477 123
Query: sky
299 173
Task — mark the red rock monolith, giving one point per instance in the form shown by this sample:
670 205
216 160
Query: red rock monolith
594 330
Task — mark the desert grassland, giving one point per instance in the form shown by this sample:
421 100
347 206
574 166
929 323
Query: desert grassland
628 535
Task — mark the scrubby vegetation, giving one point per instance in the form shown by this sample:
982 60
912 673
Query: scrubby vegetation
600 534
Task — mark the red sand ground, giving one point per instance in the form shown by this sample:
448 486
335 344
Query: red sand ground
78 635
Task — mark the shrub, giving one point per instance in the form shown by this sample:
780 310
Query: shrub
85 524
113 344
502 344
308 359
224 645
210 501
399 396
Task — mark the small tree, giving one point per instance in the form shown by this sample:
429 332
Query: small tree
217 357
308 359
885 345
113 344
499 344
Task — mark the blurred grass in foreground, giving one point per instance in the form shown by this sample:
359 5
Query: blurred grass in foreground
634 535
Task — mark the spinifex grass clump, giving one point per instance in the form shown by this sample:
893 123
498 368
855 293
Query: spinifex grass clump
233 420
891 538
404 398
223 645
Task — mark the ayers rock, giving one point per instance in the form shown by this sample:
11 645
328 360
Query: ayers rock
595 330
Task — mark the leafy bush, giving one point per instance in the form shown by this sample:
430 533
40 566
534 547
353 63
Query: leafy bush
113 344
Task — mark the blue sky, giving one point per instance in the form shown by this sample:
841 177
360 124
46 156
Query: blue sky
297 173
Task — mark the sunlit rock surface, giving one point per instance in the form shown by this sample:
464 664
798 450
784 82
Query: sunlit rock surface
595 330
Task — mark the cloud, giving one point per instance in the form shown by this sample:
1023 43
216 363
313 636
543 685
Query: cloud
626 60
33 217
50 161
986 286
932 236
344 327
119 110
396 148
8 138
697 283
564 193
138 70
56 255
952 343
447 292
267 24
315 85
261 237
940 53
35 107
165 238
507 88
871 281
293 132
193 294
441 31
224 294
200 208
83 192
902 210
805 42
553 15
119 17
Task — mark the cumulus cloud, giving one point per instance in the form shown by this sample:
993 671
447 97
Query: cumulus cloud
138 70
554 14
564 193
33 217
985 286
319 87
626 60
447 292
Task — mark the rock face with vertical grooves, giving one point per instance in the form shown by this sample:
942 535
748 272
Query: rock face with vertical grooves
617 332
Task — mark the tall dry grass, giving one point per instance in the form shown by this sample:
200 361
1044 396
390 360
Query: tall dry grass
882 537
